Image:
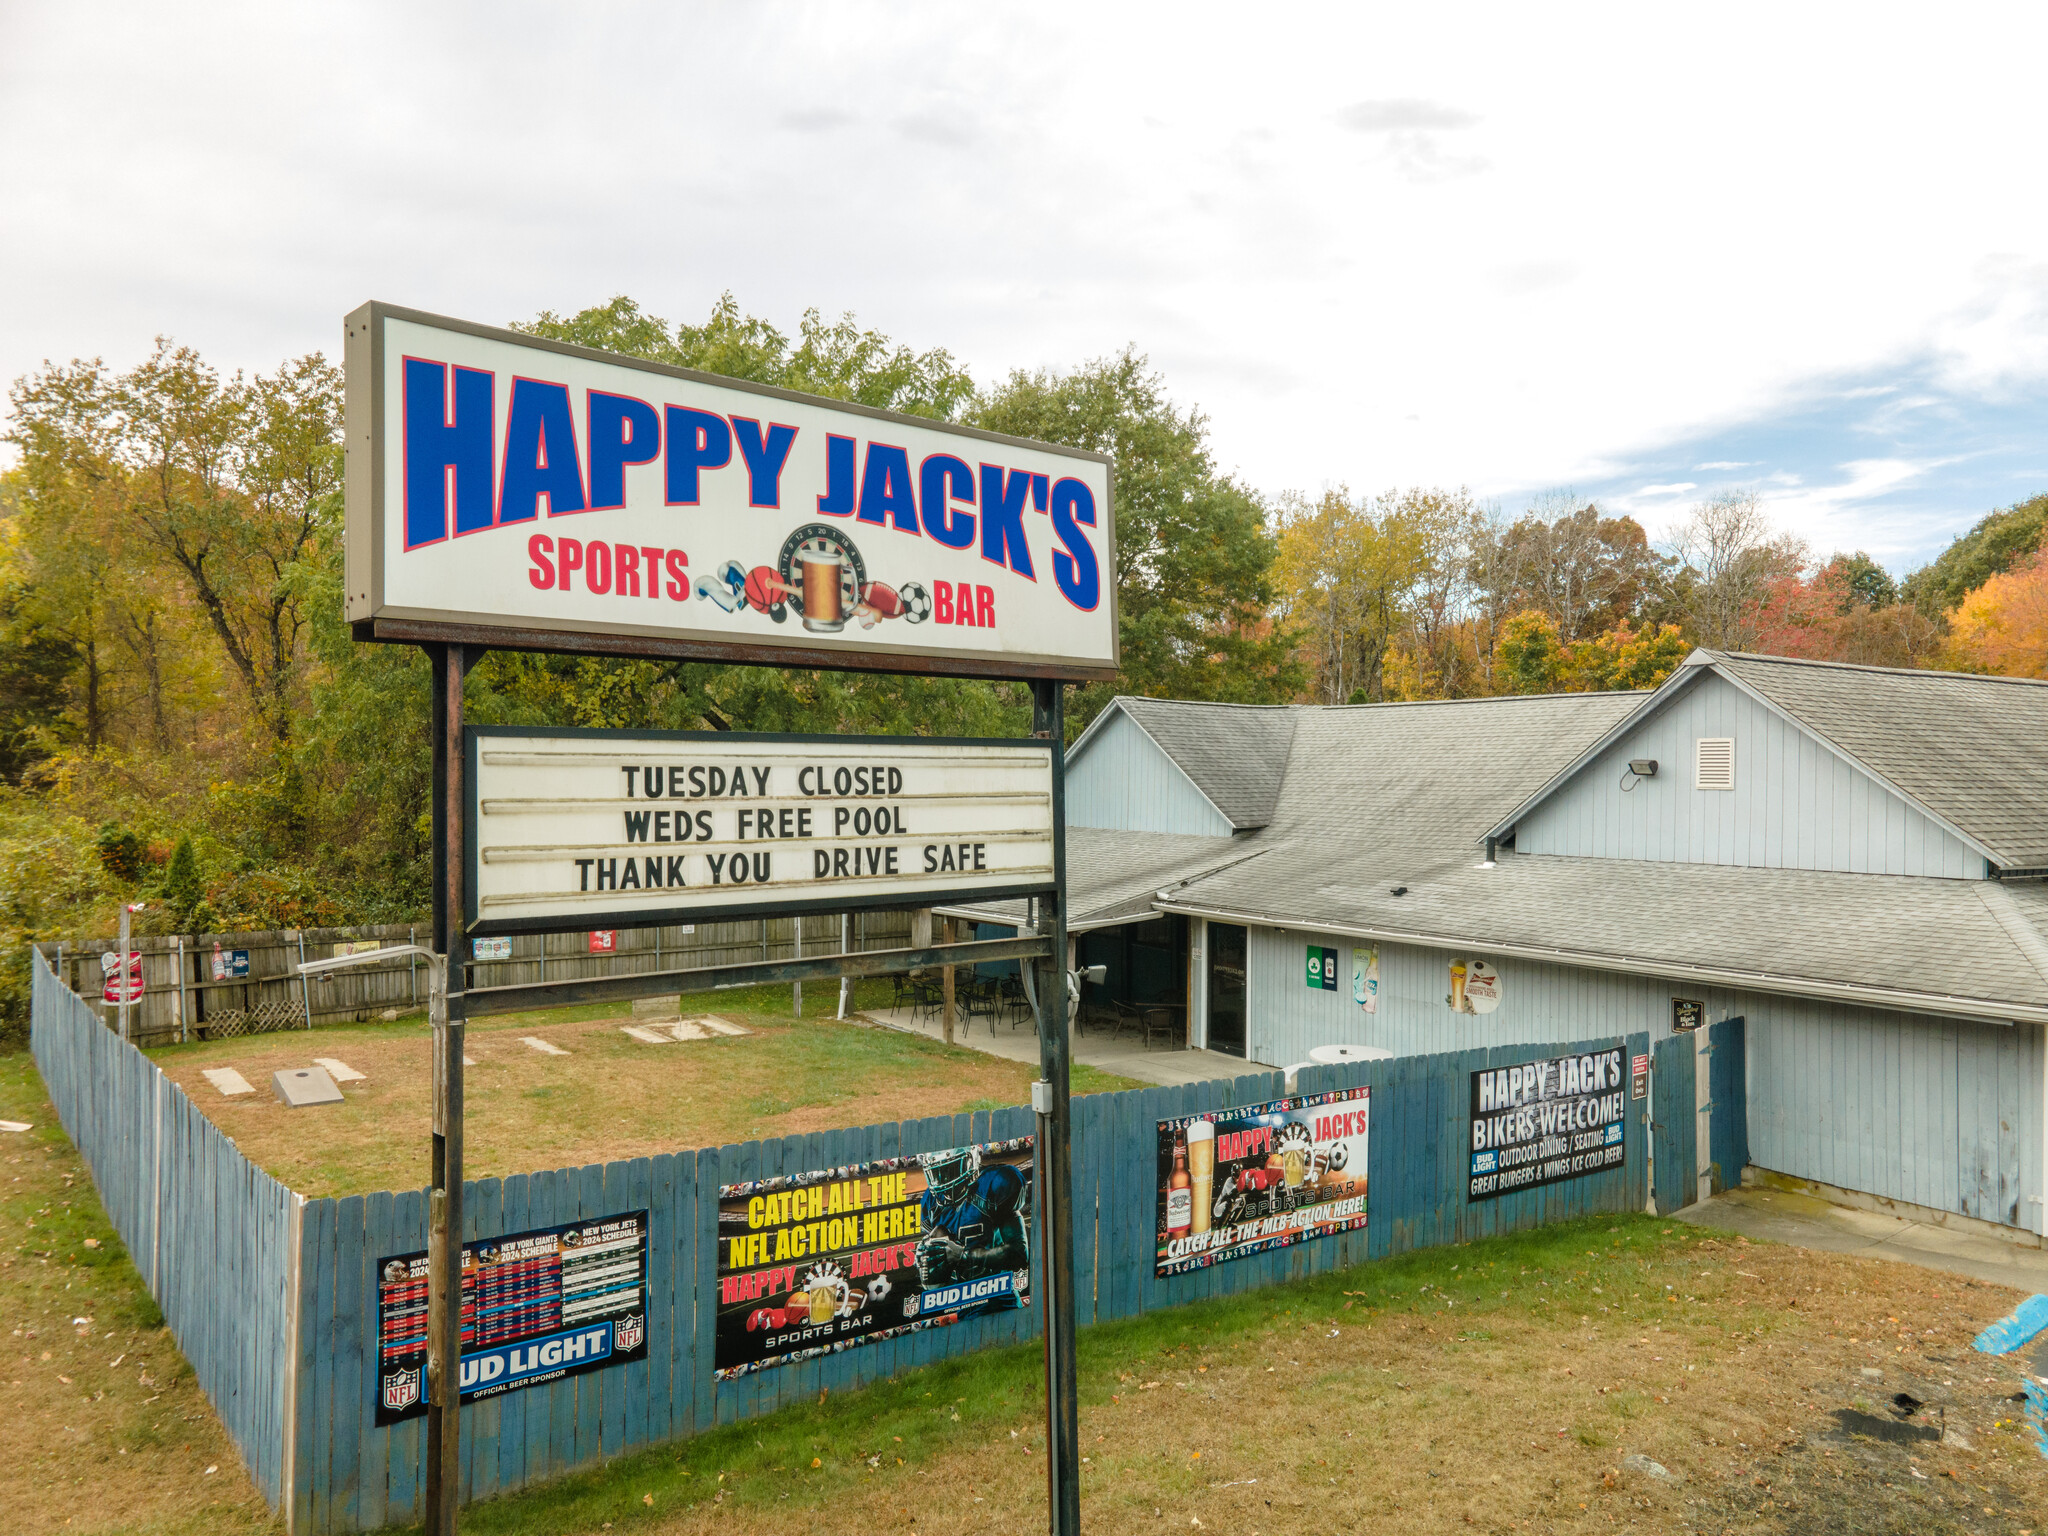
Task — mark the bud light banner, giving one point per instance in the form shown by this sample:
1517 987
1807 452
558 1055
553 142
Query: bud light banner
536 1306
1547 1121
1241 1181
814 1263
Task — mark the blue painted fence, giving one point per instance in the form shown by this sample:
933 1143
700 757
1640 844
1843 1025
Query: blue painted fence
298 1387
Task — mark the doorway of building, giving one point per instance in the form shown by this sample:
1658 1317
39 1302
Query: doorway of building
1226 988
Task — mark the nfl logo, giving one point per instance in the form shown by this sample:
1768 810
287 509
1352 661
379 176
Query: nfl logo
629 1331
402 1389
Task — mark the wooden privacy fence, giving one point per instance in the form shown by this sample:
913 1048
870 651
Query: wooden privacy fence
296 1280
180 997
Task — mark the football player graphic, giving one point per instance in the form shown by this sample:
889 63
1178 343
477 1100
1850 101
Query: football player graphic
973 1219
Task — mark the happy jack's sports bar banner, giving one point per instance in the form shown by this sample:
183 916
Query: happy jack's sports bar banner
813 1263
536 1306
1242 1181
1547 1121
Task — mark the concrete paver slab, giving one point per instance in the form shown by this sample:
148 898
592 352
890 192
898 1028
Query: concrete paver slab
230 1082
1806 1221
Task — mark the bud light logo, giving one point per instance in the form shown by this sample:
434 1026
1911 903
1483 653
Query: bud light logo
1483 1162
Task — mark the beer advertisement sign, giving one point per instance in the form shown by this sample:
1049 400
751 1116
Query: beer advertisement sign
536 1307
571 499
1548 1121
575 828
814 1263
1241 1181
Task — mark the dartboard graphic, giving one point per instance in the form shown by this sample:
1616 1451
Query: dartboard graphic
824 539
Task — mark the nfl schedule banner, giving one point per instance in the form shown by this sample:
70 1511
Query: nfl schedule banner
814 1263
536 1306
1242 1181
1547 1121
503 488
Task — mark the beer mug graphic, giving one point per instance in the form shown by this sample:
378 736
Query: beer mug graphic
1294 1166
824 1302
821 574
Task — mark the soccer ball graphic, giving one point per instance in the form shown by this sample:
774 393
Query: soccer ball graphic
917 603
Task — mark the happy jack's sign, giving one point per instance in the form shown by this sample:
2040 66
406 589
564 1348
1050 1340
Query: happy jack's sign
1547 1121
603 829
508 490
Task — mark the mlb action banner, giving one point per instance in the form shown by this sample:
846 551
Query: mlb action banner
506 489
1240 1181
536 1306
814 1263
1546 1121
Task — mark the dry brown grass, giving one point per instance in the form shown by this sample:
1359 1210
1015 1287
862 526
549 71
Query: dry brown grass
610 1097
102 1427
1442 1406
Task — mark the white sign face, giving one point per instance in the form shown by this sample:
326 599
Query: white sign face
595 502
592 828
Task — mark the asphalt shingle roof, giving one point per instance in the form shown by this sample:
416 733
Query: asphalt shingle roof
1234 753
1968 748
1114 876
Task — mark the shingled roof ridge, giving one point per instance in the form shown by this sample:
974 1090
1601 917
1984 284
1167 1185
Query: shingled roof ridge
1821 663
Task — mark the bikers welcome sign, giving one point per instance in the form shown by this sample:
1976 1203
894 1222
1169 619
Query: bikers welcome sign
508 490
1547 1121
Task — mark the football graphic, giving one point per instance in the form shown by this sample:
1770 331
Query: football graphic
917 603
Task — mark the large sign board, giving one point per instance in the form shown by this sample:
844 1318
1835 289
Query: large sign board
605 829
814 1263
536 1306
506 490
1240 1181
1548 1121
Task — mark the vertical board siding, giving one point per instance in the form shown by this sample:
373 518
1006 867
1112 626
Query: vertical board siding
1796 804
1125 781
1845 1095
207 1230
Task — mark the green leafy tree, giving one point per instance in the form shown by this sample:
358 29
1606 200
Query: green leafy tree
1531 657
1194 551
1998 542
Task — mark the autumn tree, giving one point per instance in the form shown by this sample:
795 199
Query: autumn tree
1734 559
2003 625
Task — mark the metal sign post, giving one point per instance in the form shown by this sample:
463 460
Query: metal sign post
1062 1423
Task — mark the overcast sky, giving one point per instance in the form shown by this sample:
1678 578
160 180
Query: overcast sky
1645 252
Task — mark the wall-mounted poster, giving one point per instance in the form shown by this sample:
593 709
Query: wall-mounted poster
1240 1181
536 1306
1547 1121
1687 1015
230 964
1475 987
1365 977
1322 968
813 1263
491 949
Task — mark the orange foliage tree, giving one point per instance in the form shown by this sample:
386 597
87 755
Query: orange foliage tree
2003 625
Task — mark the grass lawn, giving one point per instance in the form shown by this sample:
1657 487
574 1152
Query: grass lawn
1497 1386
610 1096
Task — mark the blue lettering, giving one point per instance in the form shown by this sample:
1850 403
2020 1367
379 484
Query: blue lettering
1076 574
697 440
435 445
943 479
621 431
885 488
540 454
838 498
1002 518
765 458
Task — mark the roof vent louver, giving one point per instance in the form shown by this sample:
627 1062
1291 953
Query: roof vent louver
1714 762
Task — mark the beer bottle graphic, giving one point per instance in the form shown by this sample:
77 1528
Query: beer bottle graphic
1180 1197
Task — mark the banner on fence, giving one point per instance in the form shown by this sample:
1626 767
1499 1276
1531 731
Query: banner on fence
1547 1121
1241 1181
536 1306
230 964
814 1263
114 991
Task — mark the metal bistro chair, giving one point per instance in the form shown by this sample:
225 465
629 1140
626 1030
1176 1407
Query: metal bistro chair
1158 1021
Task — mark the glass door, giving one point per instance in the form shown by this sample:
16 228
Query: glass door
1226 988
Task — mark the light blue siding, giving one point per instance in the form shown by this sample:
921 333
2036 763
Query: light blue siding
1123 781
1934 1111
1795 805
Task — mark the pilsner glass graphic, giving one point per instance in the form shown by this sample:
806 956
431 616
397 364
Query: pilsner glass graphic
1202 1171
1457 986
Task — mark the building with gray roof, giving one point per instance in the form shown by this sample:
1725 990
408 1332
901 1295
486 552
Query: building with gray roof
1848 859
